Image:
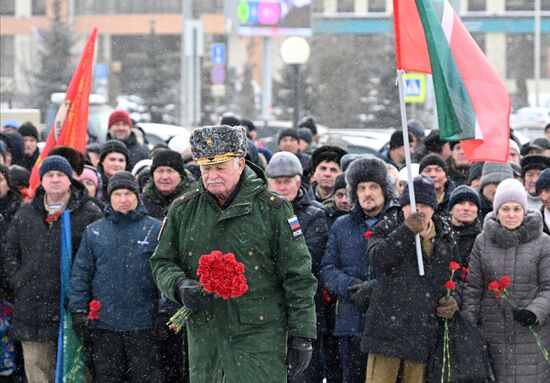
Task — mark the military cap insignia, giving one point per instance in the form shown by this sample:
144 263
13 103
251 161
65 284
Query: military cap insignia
217 144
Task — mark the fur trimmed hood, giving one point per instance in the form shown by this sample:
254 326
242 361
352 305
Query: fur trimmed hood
530 229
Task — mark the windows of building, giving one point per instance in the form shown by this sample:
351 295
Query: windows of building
377 6
477 5
345 6
38 7
7 7
519 56
7 63
520 5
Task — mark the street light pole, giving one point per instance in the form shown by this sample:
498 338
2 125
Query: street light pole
294 52
296 101
537 52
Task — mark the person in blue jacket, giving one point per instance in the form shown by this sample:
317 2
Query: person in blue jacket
344 271
112 267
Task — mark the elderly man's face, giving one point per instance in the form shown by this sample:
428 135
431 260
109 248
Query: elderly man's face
286 186
544 196
124 200
166 179
222 179
289 144
56 183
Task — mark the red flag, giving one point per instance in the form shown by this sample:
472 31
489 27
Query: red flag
473 104
70 127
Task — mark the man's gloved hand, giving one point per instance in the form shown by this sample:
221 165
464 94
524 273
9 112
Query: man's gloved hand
298 355
525 317
447 307
81 327
360 293
190 294
415 222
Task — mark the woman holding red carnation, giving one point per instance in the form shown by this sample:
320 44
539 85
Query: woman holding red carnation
513 250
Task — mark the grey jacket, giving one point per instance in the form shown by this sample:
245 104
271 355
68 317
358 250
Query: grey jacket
523 255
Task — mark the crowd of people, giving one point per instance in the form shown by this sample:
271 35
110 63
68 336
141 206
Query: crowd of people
327 239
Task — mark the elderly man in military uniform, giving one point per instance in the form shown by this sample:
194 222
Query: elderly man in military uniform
267 332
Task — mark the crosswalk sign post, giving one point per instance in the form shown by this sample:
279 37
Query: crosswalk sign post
415 87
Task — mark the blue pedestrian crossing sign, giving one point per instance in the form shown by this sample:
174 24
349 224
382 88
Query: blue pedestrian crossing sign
218 54
415 87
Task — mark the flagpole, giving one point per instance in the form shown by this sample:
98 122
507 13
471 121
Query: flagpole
408 164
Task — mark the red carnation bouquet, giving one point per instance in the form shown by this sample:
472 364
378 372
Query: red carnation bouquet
220 274
500 289
450 285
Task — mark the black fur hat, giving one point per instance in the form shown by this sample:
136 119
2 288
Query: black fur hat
367 169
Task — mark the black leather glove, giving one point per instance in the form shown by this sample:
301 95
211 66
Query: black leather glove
525 318
298 355
81 327
190 294
360 293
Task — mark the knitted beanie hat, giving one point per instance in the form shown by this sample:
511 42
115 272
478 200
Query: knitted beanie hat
58 163
494 172
168 158
119 115
122 180
464 193
510 190
424 192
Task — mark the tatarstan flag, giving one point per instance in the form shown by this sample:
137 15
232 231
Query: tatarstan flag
70 127
473 104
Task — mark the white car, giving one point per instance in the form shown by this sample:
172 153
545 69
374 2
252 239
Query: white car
161 133
530 117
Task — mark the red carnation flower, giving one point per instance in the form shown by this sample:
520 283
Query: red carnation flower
504 283
493 286
450 285
93 315
454 266
95 305
368 234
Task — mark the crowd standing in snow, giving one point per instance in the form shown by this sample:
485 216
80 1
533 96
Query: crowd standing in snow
326 240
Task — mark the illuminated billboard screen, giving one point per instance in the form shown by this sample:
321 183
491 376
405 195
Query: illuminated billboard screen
274 17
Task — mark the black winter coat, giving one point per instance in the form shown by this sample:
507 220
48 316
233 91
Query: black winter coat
401 320
8 207
312 219
465 237
333 214
545 228
32 262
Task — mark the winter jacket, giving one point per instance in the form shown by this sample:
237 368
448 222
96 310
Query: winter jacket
524 256
465 236
8 207
157 204
312 194
314 227
333 214
136 151
401 320
345 262
112 266
443 206
486 207
32 262
244 338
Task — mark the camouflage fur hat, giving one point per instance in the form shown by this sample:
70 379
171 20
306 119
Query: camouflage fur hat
217 144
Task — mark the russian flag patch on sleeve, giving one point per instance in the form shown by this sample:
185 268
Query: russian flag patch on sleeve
295 227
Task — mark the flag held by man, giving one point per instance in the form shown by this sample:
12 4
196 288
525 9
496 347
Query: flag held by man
473 103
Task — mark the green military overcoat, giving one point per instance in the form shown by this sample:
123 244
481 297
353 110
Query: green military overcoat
241 339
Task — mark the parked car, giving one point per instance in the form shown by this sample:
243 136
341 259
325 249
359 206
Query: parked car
161 133
358 140
529 118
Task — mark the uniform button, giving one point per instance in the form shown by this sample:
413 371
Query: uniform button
250 253
256 267
190 253
261 317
